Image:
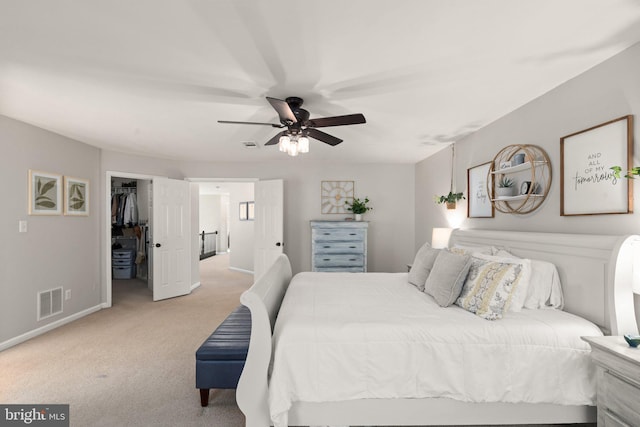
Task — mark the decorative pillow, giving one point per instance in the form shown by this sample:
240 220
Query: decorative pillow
469 250
490 287
520 294
545 288
447 277
422 265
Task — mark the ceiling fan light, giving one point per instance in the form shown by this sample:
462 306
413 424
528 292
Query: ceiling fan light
303 144
284 143
293 150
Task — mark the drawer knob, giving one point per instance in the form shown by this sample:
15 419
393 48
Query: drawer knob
158 245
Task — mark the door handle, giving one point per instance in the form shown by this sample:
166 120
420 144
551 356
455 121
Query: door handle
158 245
278 244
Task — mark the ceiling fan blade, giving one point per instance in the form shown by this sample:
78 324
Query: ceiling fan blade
251 123
283 109
276 139
349 119
324 137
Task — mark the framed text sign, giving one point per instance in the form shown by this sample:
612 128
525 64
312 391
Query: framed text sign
480 205
588 186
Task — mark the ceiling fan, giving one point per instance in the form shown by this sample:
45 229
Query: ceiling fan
299 126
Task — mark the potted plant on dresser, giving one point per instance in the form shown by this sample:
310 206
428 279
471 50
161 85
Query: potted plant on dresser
358 207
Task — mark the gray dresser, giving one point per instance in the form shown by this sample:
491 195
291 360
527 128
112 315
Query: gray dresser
339 246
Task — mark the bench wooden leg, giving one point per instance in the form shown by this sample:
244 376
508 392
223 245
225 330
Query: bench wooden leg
204 397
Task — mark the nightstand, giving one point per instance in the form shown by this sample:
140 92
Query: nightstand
618 376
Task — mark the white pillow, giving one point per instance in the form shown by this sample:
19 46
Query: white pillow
520 293
545 288
470 250
422 265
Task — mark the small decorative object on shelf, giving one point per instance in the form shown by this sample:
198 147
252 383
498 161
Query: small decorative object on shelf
358 207
506 187
531 165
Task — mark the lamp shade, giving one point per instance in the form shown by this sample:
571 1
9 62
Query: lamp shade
440 237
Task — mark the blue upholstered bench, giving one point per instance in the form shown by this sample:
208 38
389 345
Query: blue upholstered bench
220 359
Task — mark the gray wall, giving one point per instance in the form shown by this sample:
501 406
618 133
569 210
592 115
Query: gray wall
607 91
390 187
56 250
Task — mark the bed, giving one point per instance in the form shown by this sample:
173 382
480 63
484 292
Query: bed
289 379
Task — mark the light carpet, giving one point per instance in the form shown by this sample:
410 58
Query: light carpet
132 364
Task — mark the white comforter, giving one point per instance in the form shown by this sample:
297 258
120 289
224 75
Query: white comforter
342 336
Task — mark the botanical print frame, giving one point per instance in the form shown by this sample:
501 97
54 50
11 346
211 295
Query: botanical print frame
76 196
479 183
588 186
45 193
334 194
243 211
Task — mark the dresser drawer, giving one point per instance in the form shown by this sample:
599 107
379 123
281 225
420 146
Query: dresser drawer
339 247
328 235
359 269
124 262
620 398
338 260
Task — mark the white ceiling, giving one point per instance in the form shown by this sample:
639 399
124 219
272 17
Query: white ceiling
153 77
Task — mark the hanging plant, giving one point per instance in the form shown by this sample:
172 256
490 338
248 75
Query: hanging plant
617 170
452 198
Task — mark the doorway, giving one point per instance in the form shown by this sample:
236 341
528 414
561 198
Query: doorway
220 203
129 235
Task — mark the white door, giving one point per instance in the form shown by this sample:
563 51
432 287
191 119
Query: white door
268 226
171 244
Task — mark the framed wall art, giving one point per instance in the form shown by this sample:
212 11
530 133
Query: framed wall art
334 194
243 211
251 211
479 205
588 186
76 196
45 193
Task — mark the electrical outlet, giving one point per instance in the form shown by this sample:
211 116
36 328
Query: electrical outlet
67 294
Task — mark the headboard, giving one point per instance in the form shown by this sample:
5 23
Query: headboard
596 271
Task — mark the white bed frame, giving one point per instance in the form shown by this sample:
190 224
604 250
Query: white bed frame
597 278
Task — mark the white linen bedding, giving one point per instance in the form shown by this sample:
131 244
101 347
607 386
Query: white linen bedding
343 336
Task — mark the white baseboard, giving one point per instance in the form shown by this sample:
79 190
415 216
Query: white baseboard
46 328
195 286
241 270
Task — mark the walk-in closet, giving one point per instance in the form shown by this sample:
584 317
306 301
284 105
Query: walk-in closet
130 211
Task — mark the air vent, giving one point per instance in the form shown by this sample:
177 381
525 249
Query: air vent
49 303
250 144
